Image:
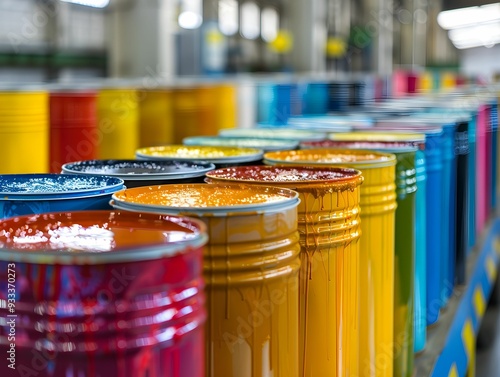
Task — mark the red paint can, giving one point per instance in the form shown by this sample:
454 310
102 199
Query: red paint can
73 128
102 293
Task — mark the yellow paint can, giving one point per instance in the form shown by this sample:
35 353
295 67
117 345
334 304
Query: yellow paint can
378 205
24 131
118 123
329 230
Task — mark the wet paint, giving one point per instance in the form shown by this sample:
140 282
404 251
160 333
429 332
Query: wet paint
24 194
405 247
329 230
137 173
217 155
378 204
106 293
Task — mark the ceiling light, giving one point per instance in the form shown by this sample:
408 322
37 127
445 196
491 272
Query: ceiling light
89 3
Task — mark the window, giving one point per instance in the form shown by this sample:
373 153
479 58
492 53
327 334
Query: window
250 20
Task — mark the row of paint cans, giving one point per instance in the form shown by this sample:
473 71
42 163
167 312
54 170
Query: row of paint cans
328 223
325 195
409 277
48 126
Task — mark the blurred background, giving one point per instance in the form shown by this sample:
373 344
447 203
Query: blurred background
57 40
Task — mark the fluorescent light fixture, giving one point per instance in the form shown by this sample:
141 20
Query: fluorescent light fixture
458 18
486 35
462 45
89 3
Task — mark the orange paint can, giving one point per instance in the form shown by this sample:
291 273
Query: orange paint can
251 266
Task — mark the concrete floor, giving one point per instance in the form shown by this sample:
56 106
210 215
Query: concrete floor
488 342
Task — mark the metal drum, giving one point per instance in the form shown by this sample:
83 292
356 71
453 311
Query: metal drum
251 267
378 204
405 244
137 173
329 277
104 293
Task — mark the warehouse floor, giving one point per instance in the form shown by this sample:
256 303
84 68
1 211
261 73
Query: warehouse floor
488 343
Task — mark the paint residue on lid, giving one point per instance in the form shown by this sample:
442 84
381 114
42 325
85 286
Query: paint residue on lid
332 156
136 167
39 184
